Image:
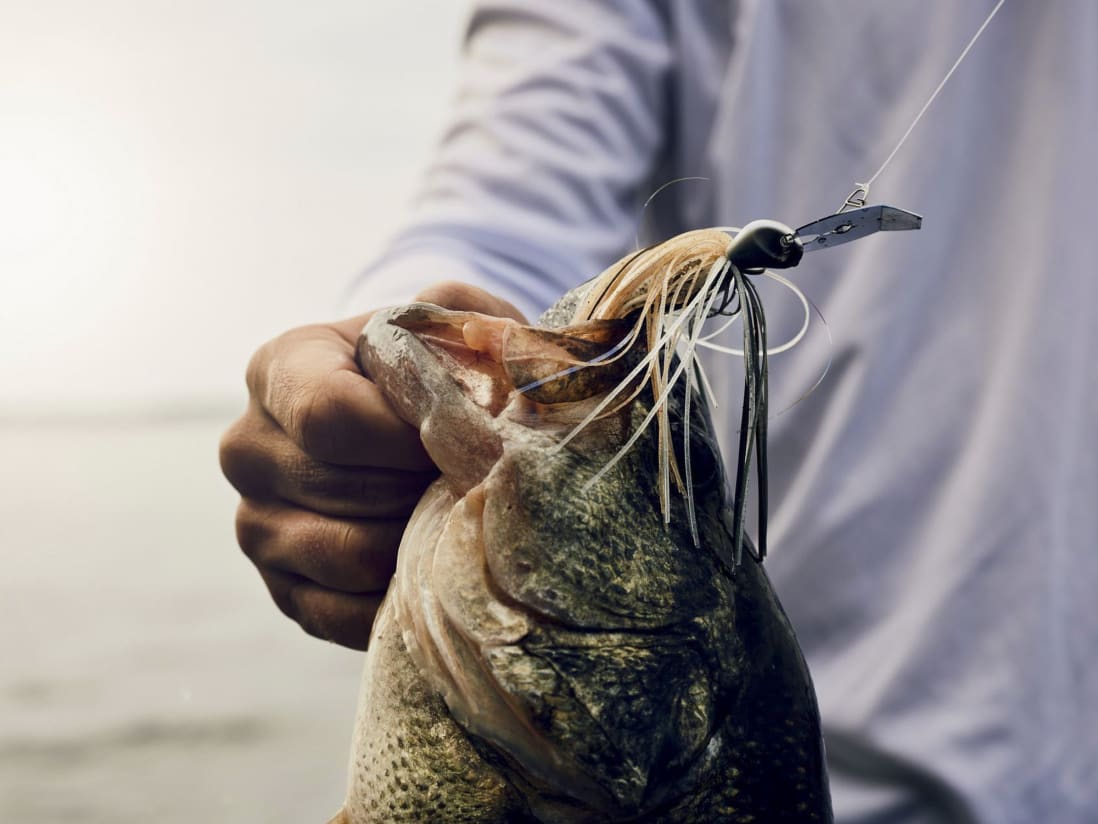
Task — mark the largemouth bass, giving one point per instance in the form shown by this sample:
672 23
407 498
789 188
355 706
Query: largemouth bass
562 640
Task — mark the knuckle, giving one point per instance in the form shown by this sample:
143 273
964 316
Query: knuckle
310 616
282 591
262 372
287 603
257 365
317 416
351 544
271 373
311 417
315 626
236 452
360 546
252 531
375 555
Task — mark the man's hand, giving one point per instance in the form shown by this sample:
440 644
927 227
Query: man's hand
327 472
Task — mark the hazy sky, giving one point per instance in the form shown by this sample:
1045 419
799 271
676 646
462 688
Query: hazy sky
181 181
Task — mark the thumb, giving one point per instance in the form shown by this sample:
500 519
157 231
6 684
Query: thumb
463 297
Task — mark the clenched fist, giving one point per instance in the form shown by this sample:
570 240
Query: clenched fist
327 473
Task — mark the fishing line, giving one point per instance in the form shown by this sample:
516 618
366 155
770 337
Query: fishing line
664 324
860 194
856 199
651 197
753 420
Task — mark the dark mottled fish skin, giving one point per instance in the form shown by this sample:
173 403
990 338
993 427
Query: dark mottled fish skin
669 687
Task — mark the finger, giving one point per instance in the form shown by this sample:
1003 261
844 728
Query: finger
307 381
339 617
263 463
463 297
341 554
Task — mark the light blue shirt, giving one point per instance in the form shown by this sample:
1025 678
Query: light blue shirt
934 529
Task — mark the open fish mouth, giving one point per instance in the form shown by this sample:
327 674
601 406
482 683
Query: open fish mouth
468 344
495 357
488 378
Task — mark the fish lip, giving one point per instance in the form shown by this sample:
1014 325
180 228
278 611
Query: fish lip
440 332
424 388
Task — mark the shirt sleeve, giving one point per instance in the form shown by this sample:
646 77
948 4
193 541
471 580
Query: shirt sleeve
559 120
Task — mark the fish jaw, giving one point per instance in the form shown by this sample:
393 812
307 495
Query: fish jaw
449 391
468 381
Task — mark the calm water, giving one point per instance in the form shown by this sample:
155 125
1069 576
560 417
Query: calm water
146 676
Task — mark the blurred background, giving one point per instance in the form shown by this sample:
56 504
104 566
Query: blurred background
178 183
